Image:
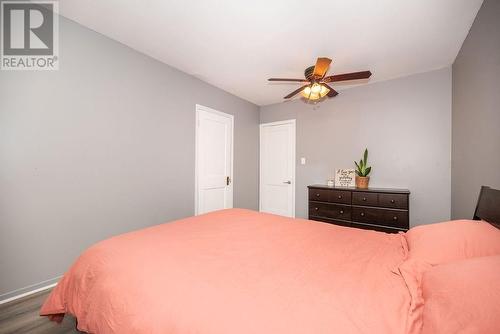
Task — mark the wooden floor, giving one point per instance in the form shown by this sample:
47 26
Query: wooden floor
21 316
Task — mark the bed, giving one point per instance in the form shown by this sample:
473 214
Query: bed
241 271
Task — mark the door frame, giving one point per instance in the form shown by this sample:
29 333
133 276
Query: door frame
294 153
201 108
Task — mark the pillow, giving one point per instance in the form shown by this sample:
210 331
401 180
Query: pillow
462 297
457 297
452 241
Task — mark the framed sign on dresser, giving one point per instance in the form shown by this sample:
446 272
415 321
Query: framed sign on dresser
380 209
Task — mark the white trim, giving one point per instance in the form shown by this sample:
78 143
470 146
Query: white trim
213 111
199 108
41 287
288 121
294 147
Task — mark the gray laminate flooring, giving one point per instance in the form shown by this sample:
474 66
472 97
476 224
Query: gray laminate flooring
21 316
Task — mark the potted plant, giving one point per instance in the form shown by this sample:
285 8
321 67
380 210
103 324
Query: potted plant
362 172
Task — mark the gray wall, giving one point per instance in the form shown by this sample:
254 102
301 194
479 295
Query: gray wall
476 112
406 125
103 146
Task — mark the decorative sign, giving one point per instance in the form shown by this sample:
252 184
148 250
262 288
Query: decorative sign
345 178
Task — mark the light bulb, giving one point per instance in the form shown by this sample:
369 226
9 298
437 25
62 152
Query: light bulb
315 91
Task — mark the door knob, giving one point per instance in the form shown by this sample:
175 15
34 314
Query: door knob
288 182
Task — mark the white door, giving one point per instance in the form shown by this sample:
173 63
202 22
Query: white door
277 168
214 160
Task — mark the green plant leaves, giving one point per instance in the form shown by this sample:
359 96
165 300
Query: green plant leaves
362 169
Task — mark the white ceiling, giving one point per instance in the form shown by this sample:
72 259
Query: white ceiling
236 45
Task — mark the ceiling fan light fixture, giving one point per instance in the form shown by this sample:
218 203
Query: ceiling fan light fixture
315 91
315 86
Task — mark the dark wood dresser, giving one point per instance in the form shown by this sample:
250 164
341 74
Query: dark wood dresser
379 209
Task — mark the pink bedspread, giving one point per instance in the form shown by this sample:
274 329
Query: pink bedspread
238 271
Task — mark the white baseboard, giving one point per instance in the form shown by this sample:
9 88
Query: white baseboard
28 290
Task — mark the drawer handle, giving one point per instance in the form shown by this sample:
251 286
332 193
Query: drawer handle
316 209
364 199
340 196
362 214
394 218
317 195
341 212
393 201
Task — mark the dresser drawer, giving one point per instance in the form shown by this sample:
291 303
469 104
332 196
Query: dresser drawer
364 198
327 195
321 195
332 221
399 201
333 211
393 218
341 196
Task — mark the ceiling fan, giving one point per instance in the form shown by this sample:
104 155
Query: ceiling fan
316 86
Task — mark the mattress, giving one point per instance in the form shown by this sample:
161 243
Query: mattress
237 271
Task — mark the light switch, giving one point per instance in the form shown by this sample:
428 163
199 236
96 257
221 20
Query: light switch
302 161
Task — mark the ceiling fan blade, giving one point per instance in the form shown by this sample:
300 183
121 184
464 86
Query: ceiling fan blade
284 79
322 65
332 92
295 92
348 76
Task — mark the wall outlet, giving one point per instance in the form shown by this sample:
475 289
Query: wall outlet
302 161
